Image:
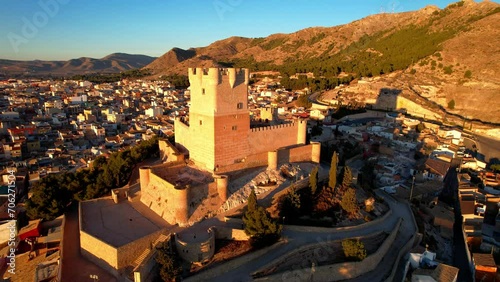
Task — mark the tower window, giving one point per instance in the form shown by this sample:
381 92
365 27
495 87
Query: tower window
234 127
240 106
203 91
201 122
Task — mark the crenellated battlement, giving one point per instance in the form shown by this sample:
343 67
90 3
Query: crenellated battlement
274 127
216 76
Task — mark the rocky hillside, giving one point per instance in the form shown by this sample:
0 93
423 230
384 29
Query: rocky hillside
448 54
113 63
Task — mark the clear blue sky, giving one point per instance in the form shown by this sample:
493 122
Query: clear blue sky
66 29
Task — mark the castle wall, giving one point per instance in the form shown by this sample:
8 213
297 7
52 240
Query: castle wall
255 160
99 252
229 233
301 153
201 139
128 253
165 200
269 138
415 109
168 152
182 135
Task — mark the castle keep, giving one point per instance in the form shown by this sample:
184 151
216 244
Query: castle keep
218 134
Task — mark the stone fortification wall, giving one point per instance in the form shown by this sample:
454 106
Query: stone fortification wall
300 153
229 233
128 253
255 160
168 201
269 138
415 109
392 102
168 152
99 252
196 247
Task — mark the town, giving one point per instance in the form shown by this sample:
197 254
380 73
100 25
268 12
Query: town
413 197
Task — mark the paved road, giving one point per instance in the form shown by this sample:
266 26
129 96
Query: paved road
298 239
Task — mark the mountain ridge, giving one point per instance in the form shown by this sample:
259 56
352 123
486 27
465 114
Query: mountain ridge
112 63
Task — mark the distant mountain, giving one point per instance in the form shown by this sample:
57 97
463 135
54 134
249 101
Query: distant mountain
454 52
114 63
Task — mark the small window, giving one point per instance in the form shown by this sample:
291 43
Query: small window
201 122
235 127
240 106
203 91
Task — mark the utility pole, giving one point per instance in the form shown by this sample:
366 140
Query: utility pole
412 185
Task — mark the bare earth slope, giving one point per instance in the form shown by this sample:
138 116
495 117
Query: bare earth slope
473 45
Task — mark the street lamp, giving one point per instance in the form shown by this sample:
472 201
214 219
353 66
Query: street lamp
412 185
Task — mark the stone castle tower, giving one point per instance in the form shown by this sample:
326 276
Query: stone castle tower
218 134
218 118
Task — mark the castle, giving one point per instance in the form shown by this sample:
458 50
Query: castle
118 232
218 139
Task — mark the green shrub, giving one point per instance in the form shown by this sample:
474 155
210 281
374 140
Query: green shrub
468 74
354 249
448 69
451 104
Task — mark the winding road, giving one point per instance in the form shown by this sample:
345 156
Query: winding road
295 239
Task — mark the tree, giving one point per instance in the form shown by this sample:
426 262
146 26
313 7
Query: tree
354 249
332 181
495 167
325 201
262 229
349 203
468 74
451 104
346 178
169 261
252 201
53 194
290 206
313 180
420 127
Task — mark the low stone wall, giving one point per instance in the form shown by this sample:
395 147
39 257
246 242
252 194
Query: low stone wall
295 154
339 271
336 229
405 249
228 233
234 263
61 252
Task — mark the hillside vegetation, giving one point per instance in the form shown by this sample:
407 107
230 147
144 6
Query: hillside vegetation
453 50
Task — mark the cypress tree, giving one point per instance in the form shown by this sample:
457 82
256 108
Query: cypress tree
259 225
313 180
346 178
349 202
332 181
